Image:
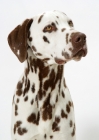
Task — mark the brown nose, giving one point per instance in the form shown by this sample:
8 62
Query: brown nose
78 40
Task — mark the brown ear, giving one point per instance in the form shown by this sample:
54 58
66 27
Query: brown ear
17 39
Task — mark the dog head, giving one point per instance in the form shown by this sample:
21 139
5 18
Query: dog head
51 37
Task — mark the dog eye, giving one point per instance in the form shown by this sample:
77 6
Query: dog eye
70 23
48 28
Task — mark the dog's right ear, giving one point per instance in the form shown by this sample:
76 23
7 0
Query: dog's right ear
17 39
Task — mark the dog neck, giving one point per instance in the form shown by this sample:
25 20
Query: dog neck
47 79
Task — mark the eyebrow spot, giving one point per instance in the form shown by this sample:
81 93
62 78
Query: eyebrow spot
40 18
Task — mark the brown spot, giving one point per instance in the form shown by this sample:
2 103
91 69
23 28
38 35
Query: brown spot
47 109
51 137
64 13
33 88
45 136
13 99
63 95
45 59
67 35
45 39
22 131
26 98
46 72
57 22
30 38
33 118
71 123
16 109
27 69
40 18
57 119
64 83
63 29
55 127
19 85
32 102
70 104
55 124
70 49
16 113
57 16
28 47
36 99
73 132
34 49
19 92
14 130
16 125
63 114
67 108
70 23
65 54
27 86
56 98
70 41
17 100
39 54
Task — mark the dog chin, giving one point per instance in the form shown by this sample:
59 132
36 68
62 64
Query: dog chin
77 58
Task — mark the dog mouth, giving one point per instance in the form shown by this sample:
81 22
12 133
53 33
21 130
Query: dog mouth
76 56
81 53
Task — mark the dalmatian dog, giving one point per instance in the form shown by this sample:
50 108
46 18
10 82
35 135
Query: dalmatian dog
42 108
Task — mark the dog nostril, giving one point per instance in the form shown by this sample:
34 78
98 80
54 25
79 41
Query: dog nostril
77 39
85 38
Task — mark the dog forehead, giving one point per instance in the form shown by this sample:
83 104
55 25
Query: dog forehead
52 16
57 14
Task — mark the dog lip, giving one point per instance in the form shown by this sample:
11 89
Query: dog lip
60 61
82 53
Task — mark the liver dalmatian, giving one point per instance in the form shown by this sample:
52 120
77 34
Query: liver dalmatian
42 108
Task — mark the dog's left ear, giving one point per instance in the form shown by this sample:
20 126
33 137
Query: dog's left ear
17 39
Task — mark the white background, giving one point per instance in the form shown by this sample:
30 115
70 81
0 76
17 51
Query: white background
82 77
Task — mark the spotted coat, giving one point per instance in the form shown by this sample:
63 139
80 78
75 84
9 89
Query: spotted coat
42 108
